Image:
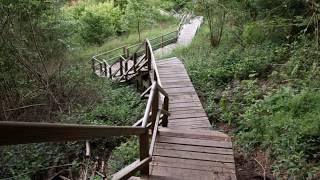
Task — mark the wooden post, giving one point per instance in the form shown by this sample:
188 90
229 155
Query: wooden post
92 65
161 41
148 56
155 76
155 107
144 151
110 72
121 67
105 69
127 53
124 51
134 62
126 69
100 66
165 107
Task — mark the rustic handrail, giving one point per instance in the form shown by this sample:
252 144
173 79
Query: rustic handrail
31 132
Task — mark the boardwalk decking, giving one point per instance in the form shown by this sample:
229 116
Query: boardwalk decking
188 149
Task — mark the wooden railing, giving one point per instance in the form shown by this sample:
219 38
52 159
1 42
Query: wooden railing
115 64
156 113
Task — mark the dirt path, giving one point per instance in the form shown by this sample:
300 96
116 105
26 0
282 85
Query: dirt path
186 35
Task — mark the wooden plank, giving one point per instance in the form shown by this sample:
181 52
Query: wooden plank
177 85
190 174
179 99
202 149
172 72
193 162
190 111
190 123
214 169
190 127
180 89
176 74
184 126
164 81
196 142
129 170
184 105
187 120
194 155
194 134
189 115
190 120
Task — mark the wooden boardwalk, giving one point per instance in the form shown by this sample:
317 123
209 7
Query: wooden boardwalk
188 149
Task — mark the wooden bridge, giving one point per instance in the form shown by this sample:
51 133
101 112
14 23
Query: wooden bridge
183 148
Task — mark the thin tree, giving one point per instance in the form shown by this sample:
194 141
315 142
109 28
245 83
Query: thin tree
138 15
215 15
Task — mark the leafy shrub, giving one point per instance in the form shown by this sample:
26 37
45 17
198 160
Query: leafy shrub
287 125
257 32
254 33
97 21
123 155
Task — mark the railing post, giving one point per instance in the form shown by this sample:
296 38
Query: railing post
165 116
126 69
148 56
144 151
155 107
134 62
100 66
110 72
121 67
92 65
105 69
124 51
127 53
161 41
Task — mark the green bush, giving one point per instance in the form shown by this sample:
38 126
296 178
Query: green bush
287 125
123 155
276 31
254 33
97 20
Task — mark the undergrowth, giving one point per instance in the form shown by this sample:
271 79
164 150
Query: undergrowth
267 91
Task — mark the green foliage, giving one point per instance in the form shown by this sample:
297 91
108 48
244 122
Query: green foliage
263 78
97 20
287 124
123 155
33 161
261 31
254 33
